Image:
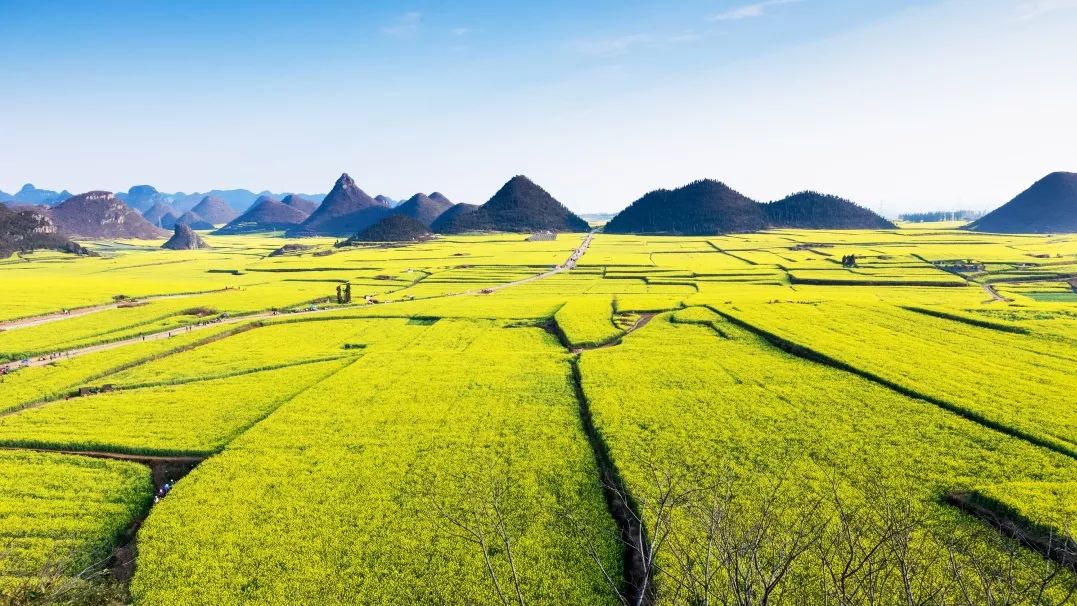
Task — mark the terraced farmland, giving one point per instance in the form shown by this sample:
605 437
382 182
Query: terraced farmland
737 419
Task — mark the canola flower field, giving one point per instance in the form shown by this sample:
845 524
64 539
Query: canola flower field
675 420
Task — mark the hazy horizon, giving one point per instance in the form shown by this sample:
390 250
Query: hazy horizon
900 106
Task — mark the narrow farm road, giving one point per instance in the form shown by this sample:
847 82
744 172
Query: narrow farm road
64 355
81 351
567 265
644 318
84 311
995 296
117 456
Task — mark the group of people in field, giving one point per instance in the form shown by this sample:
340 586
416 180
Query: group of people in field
576 254
163 491
11 367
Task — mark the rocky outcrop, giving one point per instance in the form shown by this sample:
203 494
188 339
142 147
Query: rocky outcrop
290 249
100 214
184 238
28 229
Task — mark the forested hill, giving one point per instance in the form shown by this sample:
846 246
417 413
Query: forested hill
702 207
424 209
519 206
1049 206
450 216
813 210
394 228
710 207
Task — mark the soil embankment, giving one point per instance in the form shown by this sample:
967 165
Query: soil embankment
638 587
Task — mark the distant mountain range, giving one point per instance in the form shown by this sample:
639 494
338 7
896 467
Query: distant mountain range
32 195
1049 206
703 207
143 197
708 207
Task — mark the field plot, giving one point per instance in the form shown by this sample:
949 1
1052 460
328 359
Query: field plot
282 343
62 512
343 495
588 321
189 419
1017 383
64 376
737 414
156 316
877 276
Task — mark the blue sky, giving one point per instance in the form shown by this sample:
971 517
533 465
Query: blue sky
900 105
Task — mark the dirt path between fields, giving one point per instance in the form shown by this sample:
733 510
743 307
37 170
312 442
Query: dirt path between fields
168 334
995 296
118 456
85 311
644 319
63 355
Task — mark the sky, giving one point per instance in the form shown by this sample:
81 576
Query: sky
900 105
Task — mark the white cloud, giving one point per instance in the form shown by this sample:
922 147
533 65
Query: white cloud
1038 8
689 36
750 10
616 46
611 46
405 26
460 31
